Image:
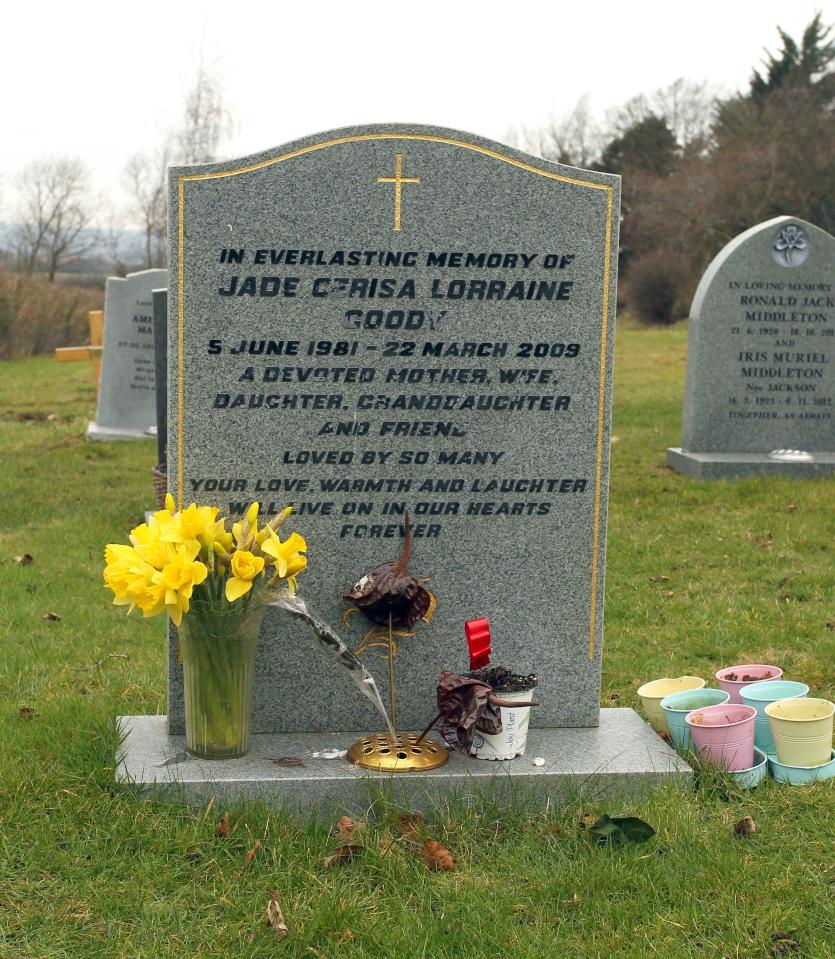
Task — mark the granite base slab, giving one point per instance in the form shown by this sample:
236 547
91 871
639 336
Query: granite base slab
712 466
621 755
107 434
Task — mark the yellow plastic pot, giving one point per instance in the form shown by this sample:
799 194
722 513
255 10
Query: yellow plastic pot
802 730
652 693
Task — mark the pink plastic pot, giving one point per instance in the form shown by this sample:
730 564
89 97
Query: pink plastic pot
724 735
753 673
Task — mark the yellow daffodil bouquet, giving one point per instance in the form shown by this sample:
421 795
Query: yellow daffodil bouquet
215 580
184 554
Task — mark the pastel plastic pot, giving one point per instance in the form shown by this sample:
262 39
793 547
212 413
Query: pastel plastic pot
802 775
724 735
652 693
759 695
677 706
748 778
802 730
752 673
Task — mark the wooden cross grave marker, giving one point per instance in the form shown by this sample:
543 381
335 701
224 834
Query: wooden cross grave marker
69 354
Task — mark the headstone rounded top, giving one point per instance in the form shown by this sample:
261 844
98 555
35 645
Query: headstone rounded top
760 350
789 241
444 136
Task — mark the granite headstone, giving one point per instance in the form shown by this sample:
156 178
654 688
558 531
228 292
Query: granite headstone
760 392
127 397
403 317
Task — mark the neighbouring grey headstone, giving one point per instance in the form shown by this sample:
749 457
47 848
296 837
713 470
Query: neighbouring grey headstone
760 387
127 396
160 306
402 316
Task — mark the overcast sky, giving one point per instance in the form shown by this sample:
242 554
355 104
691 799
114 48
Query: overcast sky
104 80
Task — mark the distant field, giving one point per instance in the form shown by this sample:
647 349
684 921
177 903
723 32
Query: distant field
700 575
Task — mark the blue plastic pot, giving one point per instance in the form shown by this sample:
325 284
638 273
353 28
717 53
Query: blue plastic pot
748 778
759 695
802 775
677 705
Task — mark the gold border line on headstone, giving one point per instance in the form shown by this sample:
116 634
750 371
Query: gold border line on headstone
601 418
450 141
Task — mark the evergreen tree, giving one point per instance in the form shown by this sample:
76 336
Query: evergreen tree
799 65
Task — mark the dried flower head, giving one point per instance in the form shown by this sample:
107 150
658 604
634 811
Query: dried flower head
390 590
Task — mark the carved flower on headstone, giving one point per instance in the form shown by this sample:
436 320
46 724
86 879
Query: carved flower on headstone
791 245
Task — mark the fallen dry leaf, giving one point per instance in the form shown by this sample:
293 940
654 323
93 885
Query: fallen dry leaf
251 852
791 508
222 825
667 593
26 712
745 826
52 617
552 829
436 856
782 943
289 762
346 829
659 579
24 560
275 917
340 855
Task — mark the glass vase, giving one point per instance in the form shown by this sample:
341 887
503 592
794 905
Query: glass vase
218 652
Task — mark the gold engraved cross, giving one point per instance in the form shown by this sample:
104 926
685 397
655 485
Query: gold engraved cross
398 180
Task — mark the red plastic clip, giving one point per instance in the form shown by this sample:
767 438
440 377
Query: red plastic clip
477 632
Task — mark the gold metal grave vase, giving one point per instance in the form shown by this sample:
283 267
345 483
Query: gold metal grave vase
218 652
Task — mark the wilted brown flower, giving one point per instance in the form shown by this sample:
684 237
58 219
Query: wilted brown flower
390 592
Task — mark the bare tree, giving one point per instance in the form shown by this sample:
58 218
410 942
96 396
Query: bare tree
206 122
573 138
55 211
206 119
688 107
145 175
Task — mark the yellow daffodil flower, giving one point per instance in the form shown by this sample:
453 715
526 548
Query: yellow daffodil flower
216 535
131 580
148 543
244 568
288 557
181 573
274 524
190 524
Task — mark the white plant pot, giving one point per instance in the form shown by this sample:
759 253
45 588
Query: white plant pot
513 738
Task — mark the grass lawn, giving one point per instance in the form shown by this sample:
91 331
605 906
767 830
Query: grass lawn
700 575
